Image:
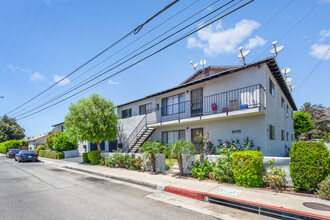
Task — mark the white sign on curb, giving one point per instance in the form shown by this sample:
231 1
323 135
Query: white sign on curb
232 192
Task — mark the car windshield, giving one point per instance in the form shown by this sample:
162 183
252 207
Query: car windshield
15 150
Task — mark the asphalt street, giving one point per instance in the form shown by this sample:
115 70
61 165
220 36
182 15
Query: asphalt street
31 190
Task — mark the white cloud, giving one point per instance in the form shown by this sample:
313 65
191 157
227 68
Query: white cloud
65 81
37 77
318 51
12 68
324 34
215 39
255 42
112 82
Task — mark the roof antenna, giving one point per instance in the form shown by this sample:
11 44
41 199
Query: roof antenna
285 72
202 62
193 65
243 54
276 50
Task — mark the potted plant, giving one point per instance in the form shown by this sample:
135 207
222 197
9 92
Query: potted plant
150 149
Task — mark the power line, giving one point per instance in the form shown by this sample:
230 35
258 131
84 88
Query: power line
315 67
105 69
150 55
121 50
135 31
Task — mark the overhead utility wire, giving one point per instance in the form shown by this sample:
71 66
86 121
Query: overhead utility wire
325 55
293 27
89 80
150 55
135 31
118 52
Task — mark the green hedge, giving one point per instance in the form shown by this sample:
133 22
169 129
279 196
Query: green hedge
94 157
62 143
41 147
85 158
51 154
309 164
248 168
12 144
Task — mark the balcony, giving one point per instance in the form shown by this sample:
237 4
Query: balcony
247 100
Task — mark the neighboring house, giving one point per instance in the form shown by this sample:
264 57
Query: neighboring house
230 102
35 142
85 146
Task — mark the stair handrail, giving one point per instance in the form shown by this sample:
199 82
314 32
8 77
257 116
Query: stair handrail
135 132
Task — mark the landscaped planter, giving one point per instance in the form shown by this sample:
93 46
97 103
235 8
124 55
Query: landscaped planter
71 153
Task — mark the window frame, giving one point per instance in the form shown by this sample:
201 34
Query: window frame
180 132
282 102
146 110
271 87
124 113
282 135
180 104
271 132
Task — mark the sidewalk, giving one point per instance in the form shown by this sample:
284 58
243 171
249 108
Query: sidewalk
199 189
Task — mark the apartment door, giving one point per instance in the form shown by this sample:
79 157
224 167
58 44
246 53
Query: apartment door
196 97
193 139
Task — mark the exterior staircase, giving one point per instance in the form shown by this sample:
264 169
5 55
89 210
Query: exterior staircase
139 139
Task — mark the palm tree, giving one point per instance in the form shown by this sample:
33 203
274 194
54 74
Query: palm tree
150 149
179 148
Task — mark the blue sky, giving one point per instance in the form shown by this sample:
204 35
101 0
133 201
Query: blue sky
44 40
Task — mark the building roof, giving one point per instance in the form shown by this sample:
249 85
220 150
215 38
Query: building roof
270 61
58 124
33 139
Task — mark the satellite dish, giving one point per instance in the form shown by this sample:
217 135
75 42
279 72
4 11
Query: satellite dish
243 54
288 80
203 62
276 49
286 70
193 65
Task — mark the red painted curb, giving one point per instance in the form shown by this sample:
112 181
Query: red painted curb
201 196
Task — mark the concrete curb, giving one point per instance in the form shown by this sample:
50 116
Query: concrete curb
203 196
153 186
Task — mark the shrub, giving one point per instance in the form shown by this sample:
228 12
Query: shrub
48 154
94 157
324 188
62 143
12 144
248 168
41 147
36 151
85 158
135 163
309 164
50 138
223 170
110 161
275 177
201 169
60 155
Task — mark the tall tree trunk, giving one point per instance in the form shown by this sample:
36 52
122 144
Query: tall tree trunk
98 143
153 163
180 164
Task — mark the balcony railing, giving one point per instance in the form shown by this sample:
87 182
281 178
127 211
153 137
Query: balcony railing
234 100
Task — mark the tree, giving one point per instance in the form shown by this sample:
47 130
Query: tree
150 150
319 118
62 143
50 139
10 130
179 148
302 123
92 119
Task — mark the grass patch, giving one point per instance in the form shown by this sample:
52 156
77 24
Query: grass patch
169 162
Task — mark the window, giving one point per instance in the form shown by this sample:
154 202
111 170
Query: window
292 114
287 136
283 135
144 109
282 102
169 137
271 132
126 113
173 104
291 137
287 108
271 87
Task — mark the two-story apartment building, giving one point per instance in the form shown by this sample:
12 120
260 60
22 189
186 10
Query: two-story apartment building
229 102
